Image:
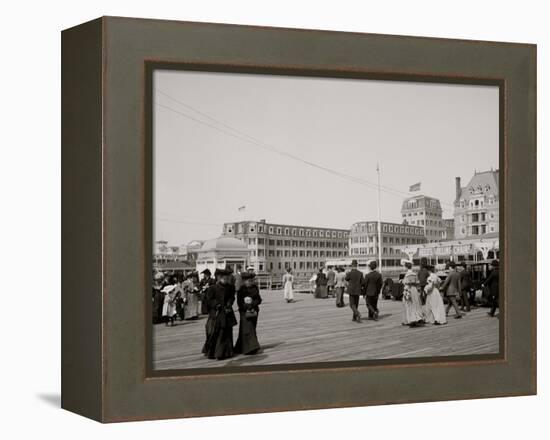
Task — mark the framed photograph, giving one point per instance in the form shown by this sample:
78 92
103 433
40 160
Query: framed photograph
265 219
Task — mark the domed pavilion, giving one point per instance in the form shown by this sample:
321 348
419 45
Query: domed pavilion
222 252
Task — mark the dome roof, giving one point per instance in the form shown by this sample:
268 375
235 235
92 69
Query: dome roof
224 244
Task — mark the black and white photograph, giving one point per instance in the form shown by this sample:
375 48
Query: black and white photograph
311 219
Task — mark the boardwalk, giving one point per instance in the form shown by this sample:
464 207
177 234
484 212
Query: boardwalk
314 330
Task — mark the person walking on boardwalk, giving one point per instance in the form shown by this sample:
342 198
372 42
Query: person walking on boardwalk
221 318
423 275
248 301
339 286
372 288
451 287
465 287
191 296
492 283
355 282
412 307
169 311
435 309
204 284
238 277
158 297
321 284
288 280
331 281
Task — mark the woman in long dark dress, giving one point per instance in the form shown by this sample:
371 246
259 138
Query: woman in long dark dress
158 297
219 300
248 300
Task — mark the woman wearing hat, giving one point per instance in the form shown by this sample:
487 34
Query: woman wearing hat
171 293
412 306
158 297
248 301
435 309
219 301
288 279
191 296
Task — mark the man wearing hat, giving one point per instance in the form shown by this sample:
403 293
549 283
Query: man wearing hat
451 287
238 277
355 282
492 282
372 287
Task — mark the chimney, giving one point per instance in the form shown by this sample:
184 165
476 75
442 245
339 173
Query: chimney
458 188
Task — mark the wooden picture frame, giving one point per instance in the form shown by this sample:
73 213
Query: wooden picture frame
107 218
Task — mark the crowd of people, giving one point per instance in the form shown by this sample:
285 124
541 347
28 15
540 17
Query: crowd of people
186 298
214 296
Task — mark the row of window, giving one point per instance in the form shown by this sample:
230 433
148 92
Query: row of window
278 230
374 251
478 229
477 203
397 229
477 217
296 254
385 239
295 243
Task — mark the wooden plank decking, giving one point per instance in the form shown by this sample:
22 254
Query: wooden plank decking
314 330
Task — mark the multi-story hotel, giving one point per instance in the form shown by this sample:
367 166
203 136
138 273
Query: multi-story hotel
275 247
364 241
477 206
426 212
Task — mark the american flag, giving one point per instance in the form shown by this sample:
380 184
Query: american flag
242 208
415 187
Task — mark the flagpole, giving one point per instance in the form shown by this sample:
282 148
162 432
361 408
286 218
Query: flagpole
379 223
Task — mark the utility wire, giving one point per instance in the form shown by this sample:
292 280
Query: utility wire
228 130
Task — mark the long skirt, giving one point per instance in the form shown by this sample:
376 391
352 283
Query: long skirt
247 341
169 308
289 293
412 307
434 310
191 308
219 337
321 292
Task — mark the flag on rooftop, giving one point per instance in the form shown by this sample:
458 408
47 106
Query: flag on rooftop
242 208
415 187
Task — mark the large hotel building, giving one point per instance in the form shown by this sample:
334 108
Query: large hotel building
364 241
477 206
276 247
426 212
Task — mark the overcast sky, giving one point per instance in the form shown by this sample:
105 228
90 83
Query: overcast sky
417 132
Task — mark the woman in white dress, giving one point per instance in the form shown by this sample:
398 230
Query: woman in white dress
287 285
412 306
435 309
169 307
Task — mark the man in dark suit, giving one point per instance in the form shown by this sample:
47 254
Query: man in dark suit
372 287
451 287
355 283
492 282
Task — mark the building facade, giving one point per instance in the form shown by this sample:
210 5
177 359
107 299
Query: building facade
477 206
425 212
276 247
363 244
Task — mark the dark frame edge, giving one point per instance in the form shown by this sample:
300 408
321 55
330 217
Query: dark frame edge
81 215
